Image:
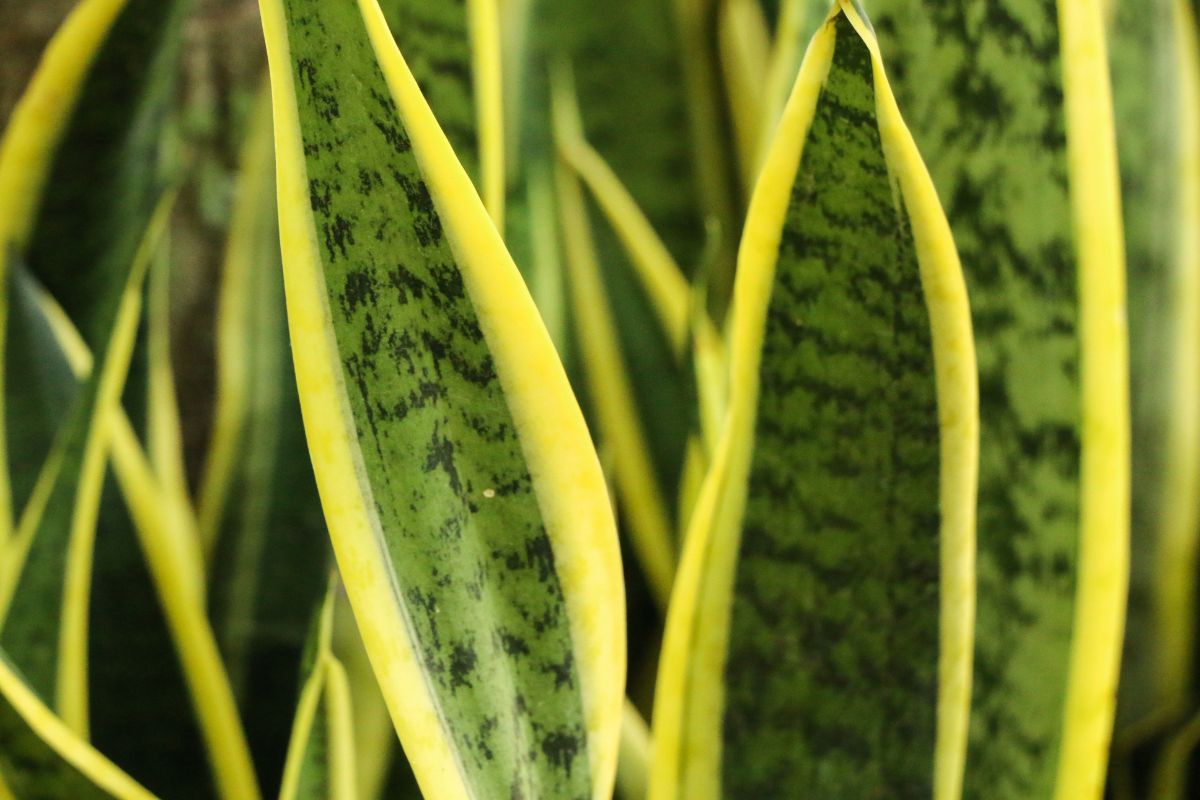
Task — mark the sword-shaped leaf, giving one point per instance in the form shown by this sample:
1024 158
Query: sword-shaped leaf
321 761
46 586
1156 86
1009 101
41 757
79 177
258 502
467 508
819 637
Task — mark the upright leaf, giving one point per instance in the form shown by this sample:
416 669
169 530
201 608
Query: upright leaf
819 636
259 505
42 757
47 582
321 761
1156 83
79 176
466 506
1009 101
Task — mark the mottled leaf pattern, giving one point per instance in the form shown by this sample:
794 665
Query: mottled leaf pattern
476 605
836 526
982 86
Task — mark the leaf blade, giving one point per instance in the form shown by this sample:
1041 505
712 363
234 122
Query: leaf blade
536 396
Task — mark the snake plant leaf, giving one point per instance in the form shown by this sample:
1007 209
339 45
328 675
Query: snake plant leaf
41 757
171 549
453 50
47 580
78 181
819 637
321 761
1011 105
1156 86
640 496
624 44
259 508
466 506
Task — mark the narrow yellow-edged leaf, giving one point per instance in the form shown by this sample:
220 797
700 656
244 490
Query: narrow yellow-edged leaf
41 756
235 317
1156 83
466 506
169 544
321 759
46 588
26 153
164 432
796 653
744 44
653 264
612 396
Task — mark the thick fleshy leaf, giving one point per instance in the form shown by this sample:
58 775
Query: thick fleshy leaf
41 757
258 503
1156 85
639 494
820 631
644 135
1010 104
467 508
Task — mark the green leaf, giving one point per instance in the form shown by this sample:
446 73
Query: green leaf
1156 84
41 757
453 50
47 580
466 506
643 136
640 495
321 760
79 176
169 544
260 513
819 634
1023 159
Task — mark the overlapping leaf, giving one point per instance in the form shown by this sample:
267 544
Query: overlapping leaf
321 761
1155 73
42 757
258 503
466 506
1023 160
820 630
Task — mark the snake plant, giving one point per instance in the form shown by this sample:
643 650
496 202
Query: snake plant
659 399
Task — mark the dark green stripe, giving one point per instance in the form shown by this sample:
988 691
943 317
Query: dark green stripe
471 560
832 672
980 84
